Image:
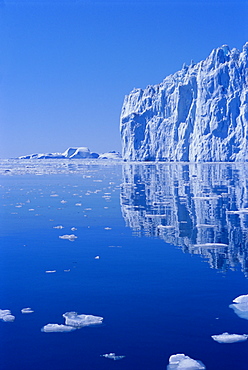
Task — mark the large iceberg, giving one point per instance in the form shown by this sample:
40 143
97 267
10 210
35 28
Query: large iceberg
71 153
198 114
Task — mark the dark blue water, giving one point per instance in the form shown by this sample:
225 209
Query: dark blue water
161 283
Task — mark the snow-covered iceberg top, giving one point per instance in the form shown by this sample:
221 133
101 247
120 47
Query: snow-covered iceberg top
240 306
74 153
198 114
229 338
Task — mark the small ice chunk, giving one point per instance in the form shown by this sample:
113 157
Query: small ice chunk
58 227
240 306
27 310
6 316
210 245
67 270
50 271
78 204
73 229
183 362
59 328
79 321
97 257
113 356
54 195
63 201
229 338
70 237
108 228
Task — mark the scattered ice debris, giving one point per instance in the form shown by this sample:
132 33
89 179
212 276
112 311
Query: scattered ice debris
240 306
63 201
229 338
52 328
112 356
50 271
183 362
27 310
6 316
79 321
73 229
78 204
97 257
108 228
70 237
58 227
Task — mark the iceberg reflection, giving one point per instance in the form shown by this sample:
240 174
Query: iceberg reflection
203 208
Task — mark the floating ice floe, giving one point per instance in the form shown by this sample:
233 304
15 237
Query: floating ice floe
112 356
78 204
50 271
6 316
58 227
27 310
108 228
79 321
240 306
183 362
70 237
73 229
229 338
97 257
59 328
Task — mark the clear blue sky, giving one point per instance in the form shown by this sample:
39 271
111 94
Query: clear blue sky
65 65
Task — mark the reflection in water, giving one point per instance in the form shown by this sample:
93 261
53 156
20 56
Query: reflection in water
203 208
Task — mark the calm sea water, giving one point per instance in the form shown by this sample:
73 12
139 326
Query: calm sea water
172 256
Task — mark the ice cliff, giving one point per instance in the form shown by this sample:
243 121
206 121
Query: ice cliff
198 114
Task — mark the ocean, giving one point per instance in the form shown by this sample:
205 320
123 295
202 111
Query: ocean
158 251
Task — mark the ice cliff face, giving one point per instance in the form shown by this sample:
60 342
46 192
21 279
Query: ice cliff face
200 113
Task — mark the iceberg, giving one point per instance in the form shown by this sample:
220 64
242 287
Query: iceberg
229 338
70 237
110 155
240 306
198 114
79 321
183 362
27 310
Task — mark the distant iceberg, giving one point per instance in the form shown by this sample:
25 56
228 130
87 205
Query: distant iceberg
74 153
113 356
79 321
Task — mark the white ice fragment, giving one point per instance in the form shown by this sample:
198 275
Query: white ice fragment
70 237
54 195
112 356
59 328
183 362
50 271
239 212
27 310
229 338
67 270
58 227
63 201
73 229
97 257
108 228
79 321
78 204
240 306
6 316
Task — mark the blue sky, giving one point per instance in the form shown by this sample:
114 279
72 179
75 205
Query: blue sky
65 65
